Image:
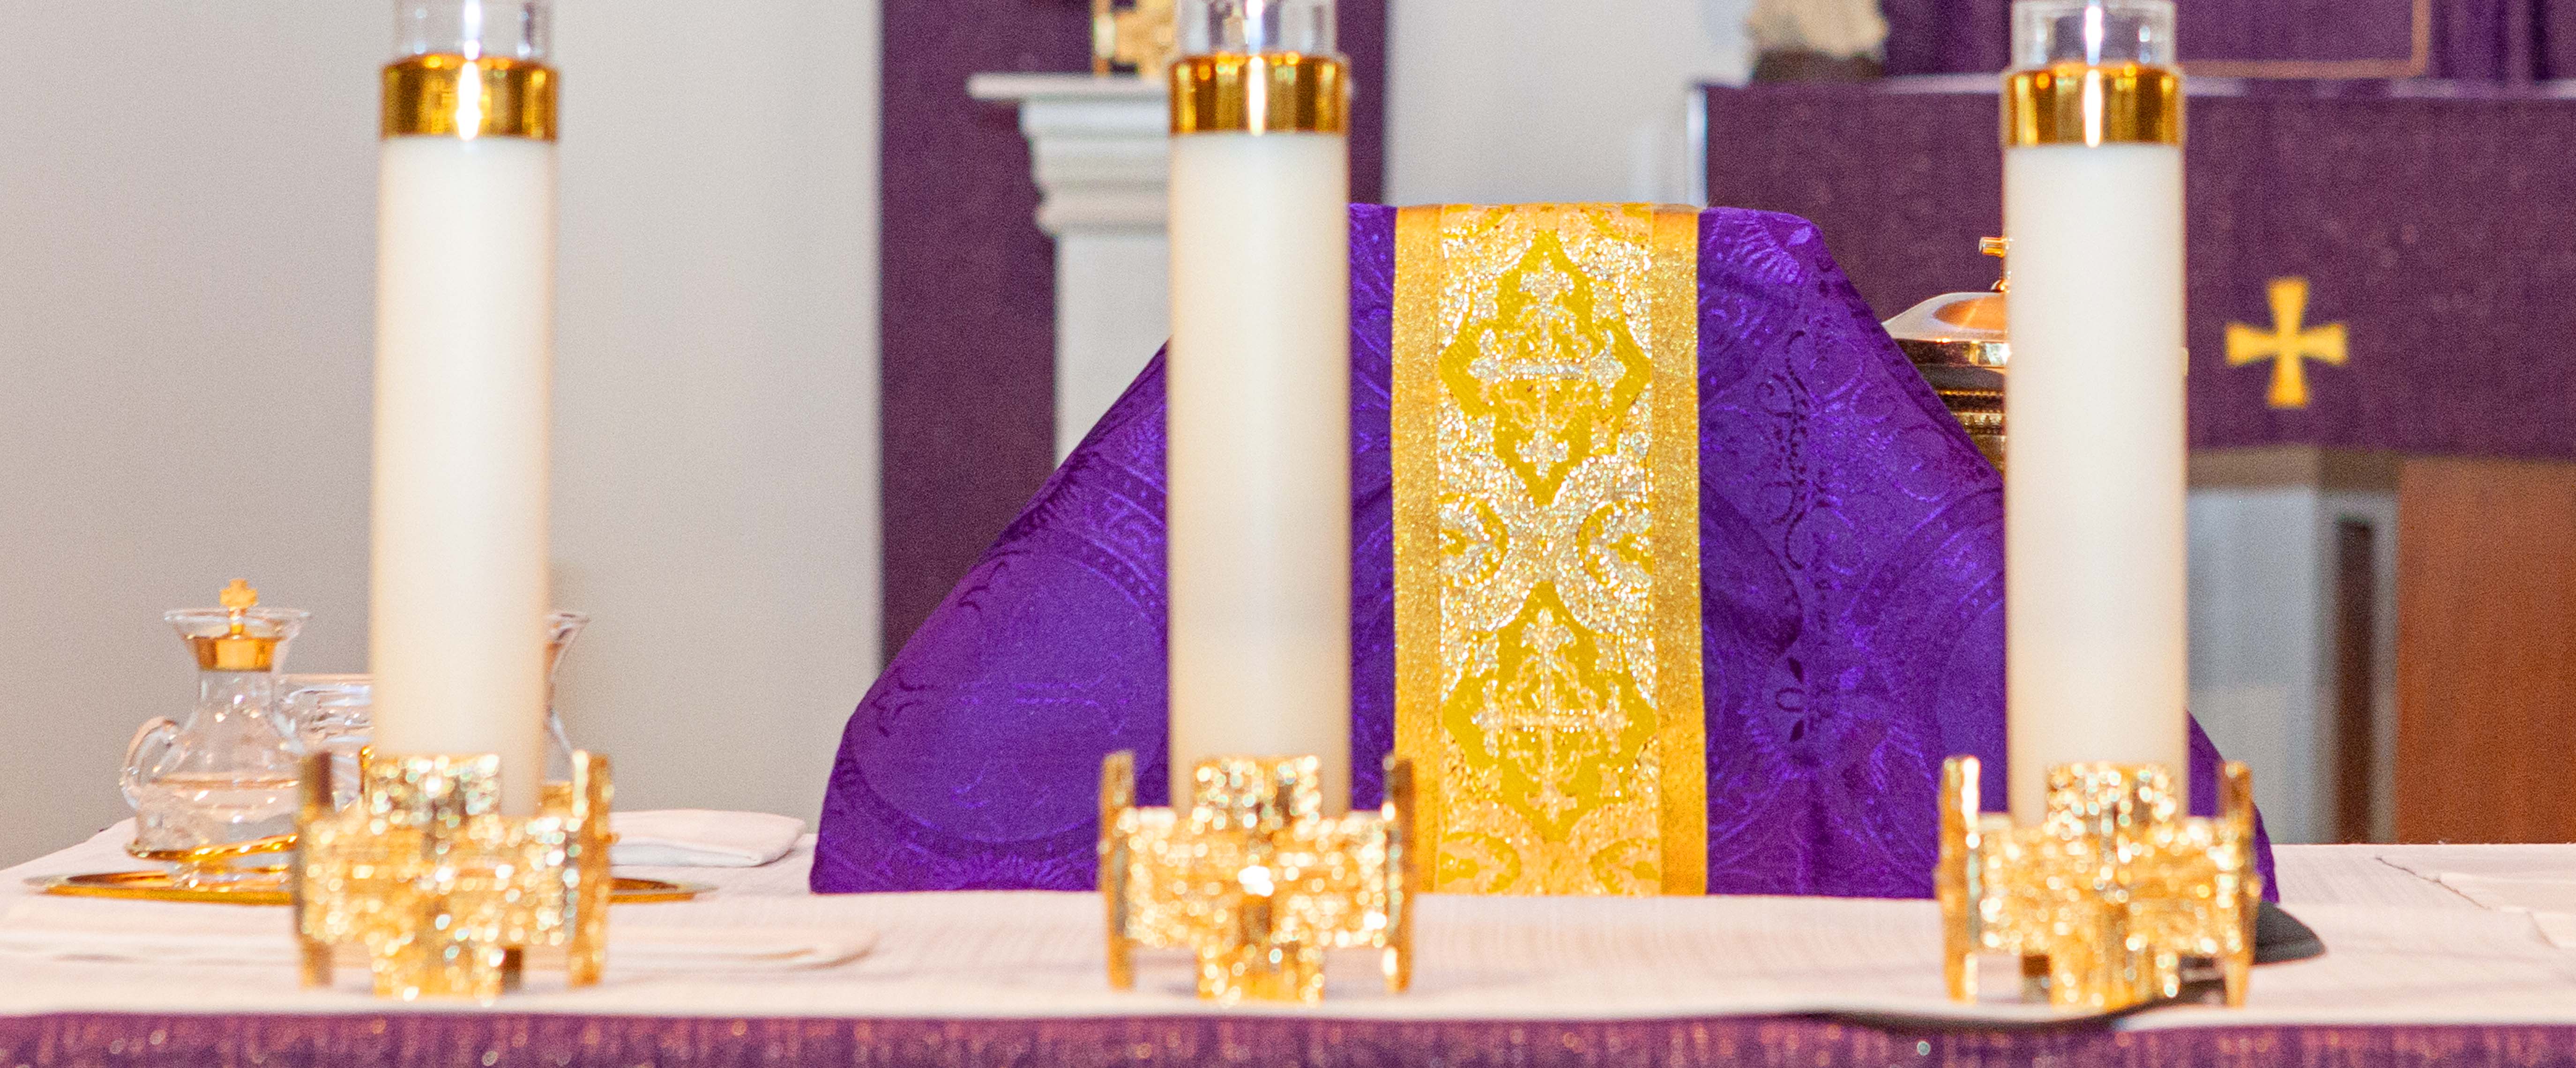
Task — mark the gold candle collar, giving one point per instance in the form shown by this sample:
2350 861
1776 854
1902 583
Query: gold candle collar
446 95
1272 92
2075 104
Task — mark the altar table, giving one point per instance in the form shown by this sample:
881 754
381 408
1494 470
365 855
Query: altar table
2417 972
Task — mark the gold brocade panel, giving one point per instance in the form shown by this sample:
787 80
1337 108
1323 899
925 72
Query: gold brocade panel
1546 463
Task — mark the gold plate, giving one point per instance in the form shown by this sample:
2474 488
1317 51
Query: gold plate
270 888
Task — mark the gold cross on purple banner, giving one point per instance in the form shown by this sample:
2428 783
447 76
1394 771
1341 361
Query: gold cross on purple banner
2289 344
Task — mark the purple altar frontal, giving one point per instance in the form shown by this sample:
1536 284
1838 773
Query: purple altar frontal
2433 222
509 1040
2431 964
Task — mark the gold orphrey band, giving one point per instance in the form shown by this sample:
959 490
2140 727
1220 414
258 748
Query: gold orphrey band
2074 104
1273 92
428 96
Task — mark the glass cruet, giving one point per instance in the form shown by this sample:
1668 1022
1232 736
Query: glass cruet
561 629
213 792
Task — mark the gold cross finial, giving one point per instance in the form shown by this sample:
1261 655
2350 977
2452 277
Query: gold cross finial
238 596
1141 36
2289 344
1999 248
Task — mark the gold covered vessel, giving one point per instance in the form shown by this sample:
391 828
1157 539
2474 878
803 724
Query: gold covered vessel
1957 341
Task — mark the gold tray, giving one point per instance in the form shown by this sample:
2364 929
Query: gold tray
270 888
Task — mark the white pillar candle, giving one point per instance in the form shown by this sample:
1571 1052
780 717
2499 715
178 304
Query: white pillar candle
1258 377
1259 424
464 325
2094 528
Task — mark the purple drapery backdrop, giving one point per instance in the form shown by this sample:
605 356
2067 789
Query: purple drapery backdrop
968 326
2435 228
2480 40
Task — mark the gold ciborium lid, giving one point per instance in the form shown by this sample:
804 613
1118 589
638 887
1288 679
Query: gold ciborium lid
1957 341
1958 329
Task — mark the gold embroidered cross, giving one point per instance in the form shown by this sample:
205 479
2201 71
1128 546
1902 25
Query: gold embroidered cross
2289 344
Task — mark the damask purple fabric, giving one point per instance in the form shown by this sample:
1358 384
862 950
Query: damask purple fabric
1852 594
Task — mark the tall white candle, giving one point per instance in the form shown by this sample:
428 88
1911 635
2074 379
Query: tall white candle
2093 517
1258 376
464 326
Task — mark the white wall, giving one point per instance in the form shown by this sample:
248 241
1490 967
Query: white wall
1517 101
186 275
716 448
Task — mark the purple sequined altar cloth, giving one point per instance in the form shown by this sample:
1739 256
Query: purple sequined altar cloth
505 1040
1852 603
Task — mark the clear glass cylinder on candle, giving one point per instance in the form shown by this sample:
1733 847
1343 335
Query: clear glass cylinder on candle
2046 33
1246 27
464 367
1258 380
2094 528
474 29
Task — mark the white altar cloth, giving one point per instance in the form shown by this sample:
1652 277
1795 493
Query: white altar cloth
2402 948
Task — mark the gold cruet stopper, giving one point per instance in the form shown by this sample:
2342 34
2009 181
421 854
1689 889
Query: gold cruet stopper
238 649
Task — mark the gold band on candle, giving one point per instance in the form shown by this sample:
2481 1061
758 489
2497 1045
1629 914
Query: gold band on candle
1274 92
443 95
2073 104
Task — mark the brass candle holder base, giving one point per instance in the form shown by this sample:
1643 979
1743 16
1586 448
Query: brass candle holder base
445 894
1255 879
2109 897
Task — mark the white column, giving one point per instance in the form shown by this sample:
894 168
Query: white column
1100 149
2264 610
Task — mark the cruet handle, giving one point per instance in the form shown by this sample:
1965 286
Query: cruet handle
150 742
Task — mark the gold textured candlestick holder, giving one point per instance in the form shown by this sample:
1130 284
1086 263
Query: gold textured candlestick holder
444 892
1255 879
2110 897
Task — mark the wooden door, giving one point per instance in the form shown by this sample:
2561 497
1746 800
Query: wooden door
2486 640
